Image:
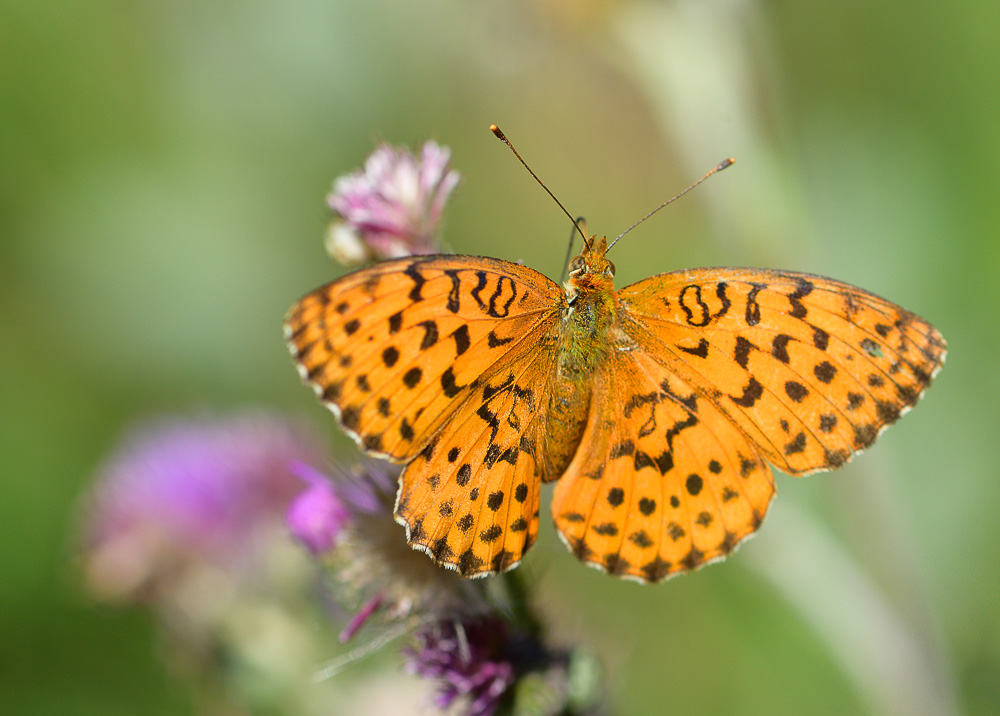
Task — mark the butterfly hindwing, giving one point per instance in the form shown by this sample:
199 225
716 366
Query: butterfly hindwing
395 348
470 498
810 369
662 482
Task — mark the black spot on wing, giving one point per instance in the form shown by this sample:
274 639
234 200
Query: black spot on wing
626 447
825 372
664 462
493 341
350 416
752 315
641 539
430 334
395 322
742 352
796 391
642 460
656 570
795 298
495 500
418 282
779 347
454 303
469 563
412 377
448 384
695 310
797 445
821 339
461 336
694 483
332 392
389 356
701 350
751 394
616 496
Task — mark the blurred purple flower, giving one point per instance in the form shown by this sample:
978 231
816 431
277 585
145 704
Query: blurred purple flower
467 660
316 516
346 519
393 207
178 491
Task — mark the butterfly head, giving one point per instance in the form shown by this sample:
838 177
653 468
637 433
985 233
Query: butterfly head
592 266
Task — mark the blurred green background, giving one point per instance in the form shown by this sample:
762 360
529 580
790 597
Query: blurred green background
163 168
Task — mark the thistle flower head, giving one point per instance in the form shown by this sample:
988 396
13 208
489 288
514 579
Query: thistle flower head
467 661
392 207
366 551
316 516
182 491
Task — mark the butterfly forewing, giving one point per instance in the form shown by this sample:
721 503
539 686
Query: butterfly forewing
810 369
395 348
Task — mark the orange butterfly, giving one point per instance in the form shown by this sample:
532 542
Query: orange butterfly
657 407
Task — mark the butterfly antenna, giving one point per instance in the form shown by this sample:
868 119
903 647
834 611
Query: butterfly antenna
503 138
569 249
718 168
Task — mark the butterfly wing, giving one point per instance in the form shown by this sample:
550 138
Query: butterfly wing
663 481
809 368
470 498
442 362
394 349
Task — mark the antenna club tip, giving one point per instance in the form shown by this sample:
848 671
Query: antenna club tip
726 163
496 130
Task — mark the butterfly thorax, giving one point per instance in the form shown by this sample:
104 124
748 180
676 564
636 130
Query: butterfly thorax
586 333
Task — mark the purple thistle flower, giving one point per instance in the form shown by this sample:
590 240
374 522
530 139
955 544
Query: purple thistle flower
182 491
347 520
316 516
467 660
393 207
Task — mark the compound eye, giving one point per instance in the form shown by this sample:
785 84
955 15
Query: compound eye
611 267
577 264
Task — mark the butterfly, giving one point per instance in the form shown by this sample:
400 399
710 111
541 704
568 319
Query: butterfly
655 408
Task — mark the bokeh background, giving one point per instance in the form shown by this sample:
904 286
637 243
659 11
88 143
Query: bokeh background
163 168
